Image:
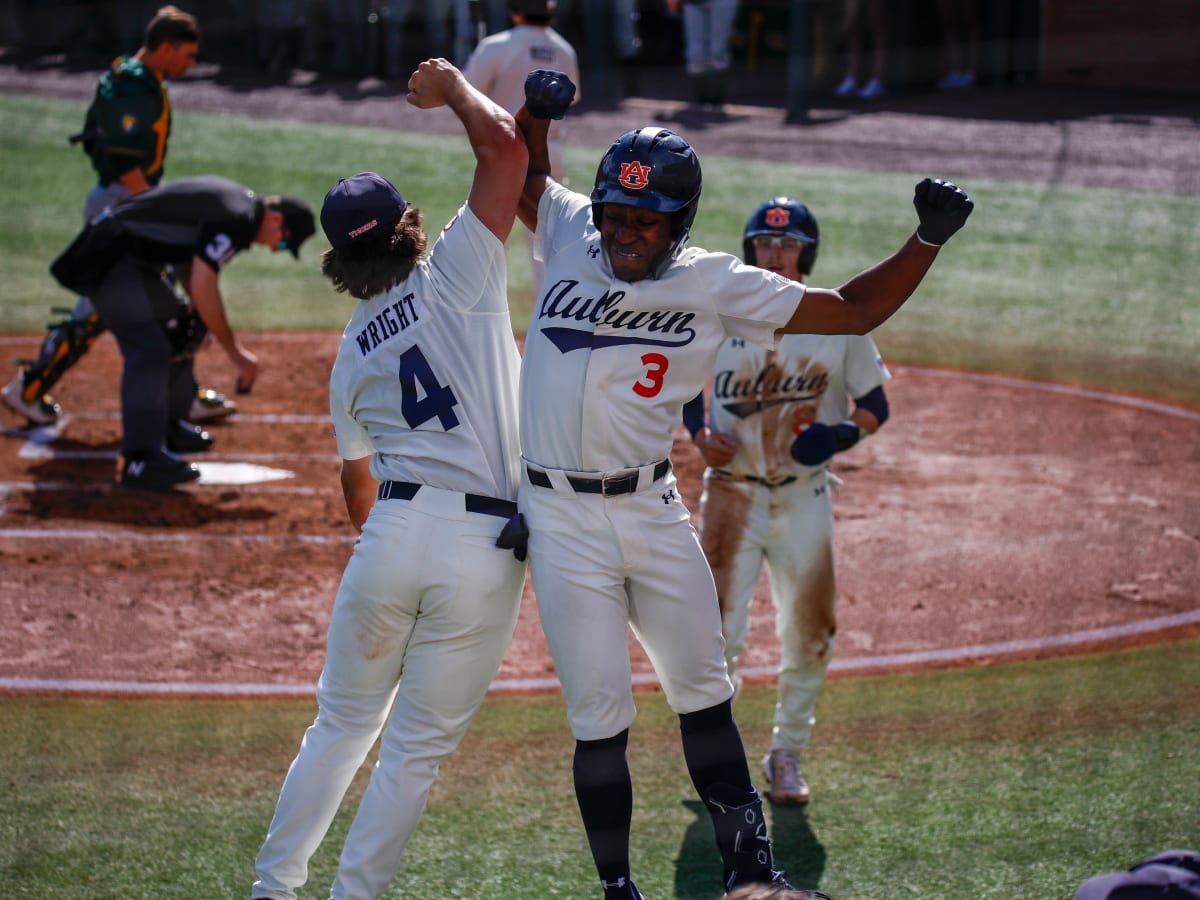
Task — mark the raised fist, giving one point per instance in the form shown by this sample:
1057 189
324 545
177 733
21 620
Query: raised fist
548 94
942 207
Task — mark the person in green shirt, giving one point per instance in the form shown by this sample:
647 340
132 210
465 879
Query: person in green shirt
125 135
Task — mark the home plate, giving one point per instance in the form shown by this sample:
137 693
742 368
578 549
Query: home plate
239 473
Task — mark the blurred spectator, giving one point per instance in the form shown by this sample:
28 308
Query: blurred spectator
706 28
348 30
960 36
866 21
625 16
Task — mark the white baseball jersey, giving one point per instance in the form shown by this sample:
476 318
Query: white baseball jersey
608 364
443 340
501 61
425 382
762 397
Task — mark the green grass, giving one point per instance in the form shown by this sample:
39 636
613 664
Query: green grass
1014 781
1047 281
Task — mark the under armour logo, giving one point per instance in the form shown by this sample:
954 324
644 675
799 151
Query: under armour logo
634 175
593 251
668 496
619 883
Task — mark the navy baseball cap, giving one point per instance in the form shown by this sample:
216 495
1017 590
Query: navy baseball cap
1170 875
359 206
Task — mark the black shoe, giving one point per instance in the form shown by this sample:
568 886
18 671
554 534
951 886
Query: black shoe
184 437
157 471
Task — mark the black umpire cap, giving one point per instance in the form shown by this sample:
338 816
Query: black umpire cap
297 219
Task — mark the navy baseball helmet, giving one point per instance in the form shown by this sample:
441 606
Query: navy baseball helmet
785 217
651 168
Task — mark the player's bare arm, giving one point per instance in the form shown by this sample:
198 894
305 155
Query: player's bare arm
206 295
868 299
500 154
548 95
359 488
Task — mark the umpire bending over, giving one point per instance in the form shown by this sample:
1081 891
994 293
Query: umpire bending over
127 260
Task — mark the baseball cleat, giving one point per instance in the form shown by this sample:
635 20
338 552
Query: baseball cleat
184 437
41 411
157 471
210 406
785 782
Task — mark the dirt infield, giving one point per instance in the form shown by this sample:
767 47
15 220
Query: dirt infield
1011 518
967 522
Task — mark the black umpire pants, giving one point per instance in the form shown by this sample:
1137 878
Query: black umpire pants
157 386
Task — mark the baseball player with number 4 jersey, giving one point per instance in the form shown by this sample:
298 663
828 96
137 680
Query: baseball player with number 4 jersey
423 396
775 420
624 332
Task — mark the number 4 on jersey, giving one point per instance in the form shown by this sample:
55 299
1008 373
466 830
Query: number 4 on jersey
417 379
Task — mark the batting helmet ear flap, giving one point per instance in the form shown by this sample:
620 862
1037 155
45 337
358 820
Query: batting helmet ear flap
783 216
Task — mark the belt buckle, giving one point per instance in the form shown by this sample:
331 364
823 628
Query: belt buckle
618 483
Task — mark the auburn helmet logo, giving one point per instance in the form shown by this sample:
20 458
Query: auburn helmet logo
778 217
634 175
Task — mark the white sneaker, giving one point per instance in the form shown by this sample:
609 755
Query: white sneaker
42 411
872 89
209 406
847 87
785 783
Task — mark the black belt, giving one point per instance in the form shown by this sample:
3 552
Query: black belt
490 506
608 486
756 480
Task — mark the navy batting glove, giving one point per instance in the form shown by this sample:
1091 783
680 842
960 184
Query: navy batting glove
515 537
548 94
942 207
818 442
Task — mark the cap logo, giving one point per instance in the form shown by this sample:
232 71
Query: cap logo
634 175
778 217
128 123
363 229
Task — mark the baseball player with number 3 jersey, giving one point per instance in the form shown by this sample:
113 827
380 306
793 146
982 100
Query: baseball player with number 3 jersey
423 396
624 332
776 418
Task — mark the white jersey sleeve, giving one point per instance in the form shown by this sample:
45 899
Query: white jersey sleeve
426 376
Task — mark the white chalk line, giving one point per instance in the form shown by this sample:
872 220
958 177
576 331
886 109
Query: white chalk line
525 685
860 664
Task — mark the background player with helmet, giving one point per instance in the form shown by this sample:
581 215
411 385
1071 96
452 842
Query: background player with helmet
622 335
423 396
500 63
776 418
125 136
196 225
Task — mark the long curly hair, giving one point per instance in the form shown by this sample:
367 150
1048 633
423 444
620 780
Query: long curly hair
374 265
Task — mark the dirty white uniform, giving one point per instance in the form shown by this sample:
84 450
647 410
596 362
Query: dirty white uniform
607 368
498 67
425 382
764 504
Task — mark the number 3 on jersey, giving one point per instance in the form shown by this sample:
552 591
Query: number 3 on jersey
422 396
656 371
